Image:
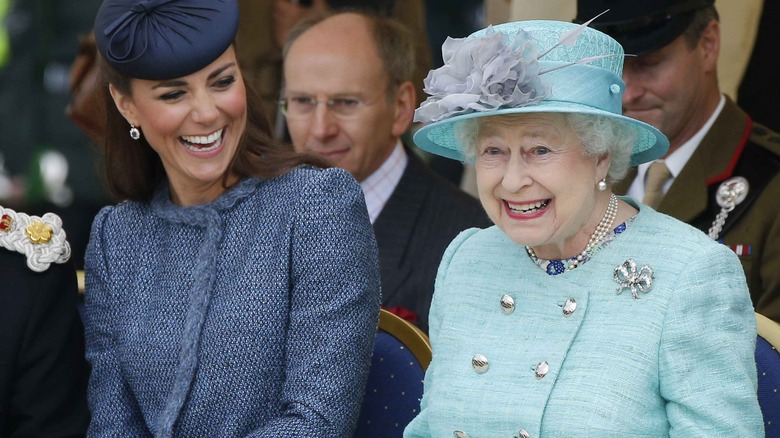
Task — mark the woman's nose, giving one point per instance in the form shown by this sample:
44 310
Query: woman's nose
205 109
516 175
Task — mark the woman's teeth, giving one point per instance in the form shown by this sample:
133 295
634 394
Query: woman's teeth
203 143
528 208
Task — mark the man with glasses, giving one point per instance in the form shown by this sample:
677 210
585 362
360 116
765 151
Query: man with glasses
349 98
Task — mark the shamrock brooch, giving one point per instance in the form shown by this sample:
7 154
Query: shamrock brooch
629 277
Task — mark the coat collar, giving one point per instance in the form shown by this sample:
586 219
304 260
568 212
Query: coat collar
197 215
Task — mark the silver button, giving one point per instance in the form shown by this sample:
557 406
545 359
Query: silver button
523 434
507 304
480 363
460 434
542 369
569 307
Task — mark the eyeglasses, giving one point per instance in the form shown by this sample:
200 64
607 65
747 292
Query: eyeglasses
301 107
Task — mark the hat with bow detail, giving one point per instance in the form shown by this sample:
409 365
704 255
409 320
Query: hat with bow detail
528 67
164 39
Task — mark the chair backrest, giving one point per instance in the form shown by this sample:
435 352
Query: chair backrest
768 366
394 388
80 279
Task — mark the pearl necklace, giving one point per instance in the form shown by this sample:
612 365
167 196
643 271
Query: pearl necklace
604 226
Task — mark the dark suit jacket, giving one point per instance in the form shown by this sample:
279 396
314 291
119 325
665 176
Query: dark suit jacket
43 373
735 146
422 216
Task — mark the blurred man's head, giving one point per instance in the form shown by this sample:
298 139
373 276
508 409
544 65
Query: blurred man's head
348 92
672 82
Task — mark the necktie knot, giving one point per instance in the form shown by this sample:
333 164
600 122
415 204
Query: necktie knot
657 175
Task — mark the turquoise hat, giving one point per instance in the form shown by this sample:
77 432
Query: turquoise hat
528 67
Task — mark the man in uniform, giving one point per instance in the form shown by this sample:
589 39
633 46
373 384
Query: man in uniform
722 171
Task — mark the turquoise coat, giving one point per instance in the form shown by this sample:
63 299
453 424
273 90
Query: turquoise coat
677 361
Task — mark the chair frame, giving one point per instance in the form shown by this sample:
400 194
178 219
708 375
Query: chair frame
768 329
81 280
409 334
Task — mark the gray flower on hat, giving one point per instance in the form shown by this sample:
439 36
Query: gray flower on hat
482 74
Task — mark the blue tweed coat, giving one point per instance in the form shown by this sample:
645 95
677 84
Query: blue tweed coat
677 362
252 315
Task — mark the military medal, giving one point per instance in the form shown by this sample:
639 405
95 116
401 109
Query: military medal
730 194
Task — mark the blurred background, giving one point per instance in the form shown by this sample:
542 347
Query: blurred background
46 161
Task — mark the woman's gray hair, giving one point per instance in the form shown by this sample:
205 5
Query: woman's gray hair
599 135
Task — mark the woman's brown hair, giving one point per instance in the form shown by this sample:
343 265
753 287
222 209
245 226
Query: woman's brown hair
132 170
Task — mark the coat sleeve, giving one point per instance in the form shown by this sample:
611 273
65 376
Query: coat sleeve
418 427
334 310
707 352
48 393
114 411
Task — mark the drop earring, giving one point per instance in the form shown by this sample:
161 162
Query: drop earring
602 185
135 134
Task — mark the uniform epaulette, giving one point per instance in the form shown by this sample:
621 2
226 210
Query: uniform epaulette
41 239
766 138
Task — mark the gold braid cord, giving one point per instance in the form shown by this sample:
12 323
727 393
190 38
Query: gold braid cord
41 239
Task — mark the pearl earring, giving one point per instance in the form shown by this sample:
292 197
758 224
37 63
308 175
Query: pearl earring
135 134
602 185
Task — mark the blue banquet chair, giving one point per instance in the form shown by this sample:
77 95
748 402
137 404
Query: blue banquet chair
394 388
768 366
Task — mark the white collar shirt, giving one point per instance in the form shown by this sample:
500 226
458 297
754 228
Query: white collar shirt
378 187
677 159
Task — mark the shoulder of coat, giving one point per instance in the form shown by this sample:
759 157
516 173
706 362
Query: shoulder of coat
766 138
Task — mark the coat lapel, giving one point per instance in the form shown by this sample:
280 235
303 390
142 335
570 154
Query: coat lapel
687 197
396 224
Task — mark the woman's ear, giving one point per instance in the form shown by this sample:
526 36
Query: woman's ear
602 166
124 104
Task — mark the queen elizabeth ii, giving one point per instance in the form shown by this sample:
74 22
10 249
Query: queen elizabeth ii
579 313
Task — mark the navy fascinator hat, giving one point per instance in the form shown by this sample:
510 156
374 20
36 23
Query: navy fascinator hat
164 39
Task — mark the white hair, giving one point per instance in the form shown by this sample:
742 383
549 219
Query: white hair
599 135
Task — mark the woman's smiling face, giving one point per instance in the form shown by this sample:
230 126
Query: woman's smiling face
536 183
194 123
